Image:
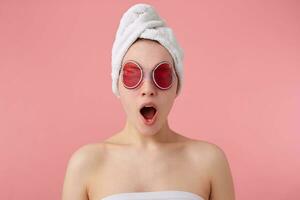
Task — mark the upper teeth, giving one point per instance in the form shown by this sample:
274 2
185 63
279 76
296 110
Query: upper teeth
149 106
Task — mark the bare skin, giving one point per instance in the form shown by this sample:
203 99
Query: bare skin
98 170
172 166
113 167
141 158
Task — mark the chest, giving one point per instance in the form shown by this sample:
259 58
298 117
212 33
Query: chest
138 172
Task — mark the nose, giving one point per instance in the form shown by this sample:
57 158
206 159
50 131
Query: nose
148 88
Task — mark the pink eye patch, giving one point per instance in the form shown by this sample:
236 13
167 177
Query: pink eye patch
132 76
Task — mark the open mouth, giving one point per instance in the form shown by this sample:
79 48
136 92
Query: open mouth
148 112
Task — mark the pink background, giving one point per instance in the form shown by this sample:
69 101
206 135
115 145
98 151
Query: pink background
241 92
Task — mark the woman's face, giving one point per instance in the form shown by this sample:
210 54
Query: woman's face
148 54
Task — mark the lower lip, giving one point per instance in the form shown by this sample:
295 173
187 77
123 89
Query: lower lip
149 121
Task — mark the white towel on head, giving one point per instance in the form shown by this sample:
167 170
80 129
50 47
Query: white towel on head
142 21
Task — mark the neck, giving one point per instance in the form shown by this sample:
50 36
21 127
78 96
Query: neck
150 141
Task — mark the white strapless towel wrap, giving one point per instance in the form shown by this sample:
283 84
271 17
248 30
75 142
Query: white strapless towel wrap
156 195
142 21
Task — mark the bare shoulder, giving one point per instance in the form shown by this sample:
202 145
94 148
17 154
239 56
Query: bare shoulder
222 186
81 165
213 152
87 156
206 151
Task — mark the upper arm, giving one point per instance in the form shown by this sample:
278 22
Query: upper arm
76 177
222 186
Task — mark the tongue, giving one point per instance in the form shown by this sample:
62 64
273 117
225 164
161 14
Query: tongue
148 113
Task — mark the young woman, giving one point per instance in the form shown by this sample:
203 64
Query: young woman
147 159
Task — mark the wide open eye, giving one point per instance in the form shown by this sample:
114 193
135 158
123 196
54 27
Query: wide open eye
163 76
132 75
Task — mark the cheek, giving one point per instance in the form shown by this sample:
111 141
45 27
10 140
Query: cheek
127 106
123 92
173 91
127 101
168 102
169 99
